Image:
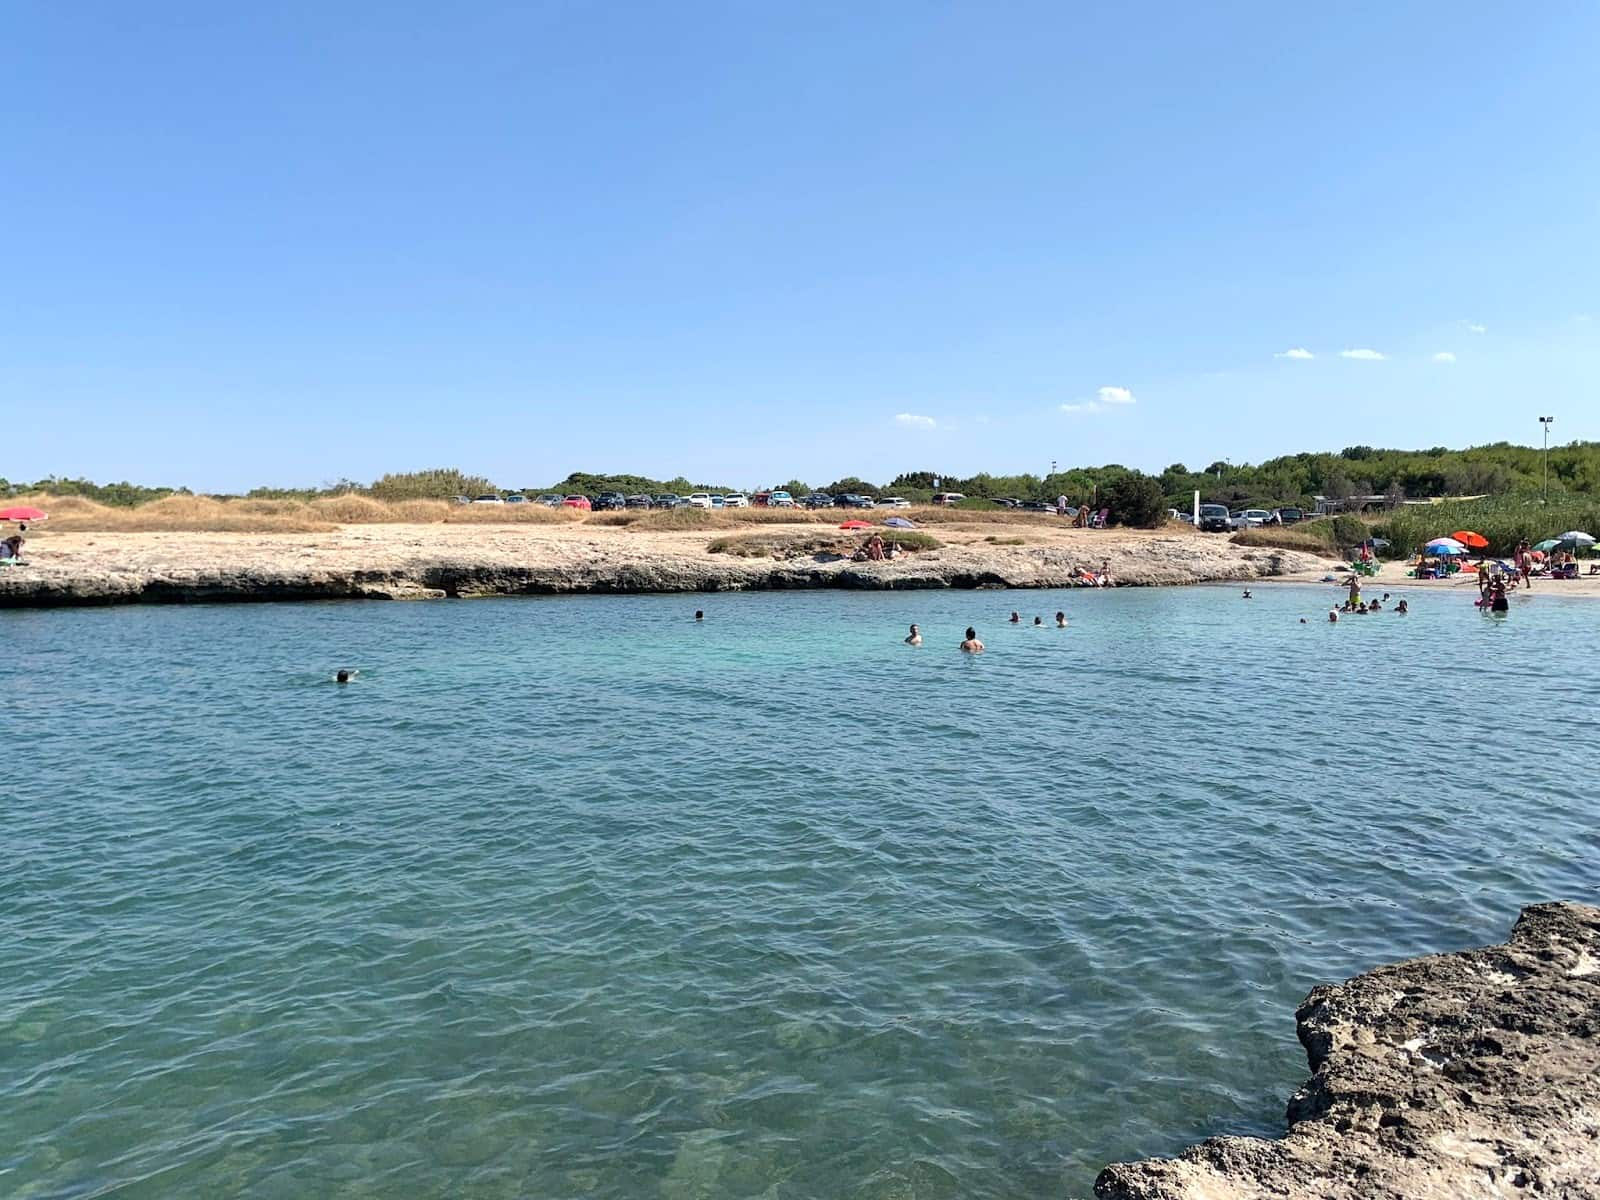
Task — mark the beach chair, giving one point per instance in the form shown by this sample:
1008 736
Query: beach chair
1098 521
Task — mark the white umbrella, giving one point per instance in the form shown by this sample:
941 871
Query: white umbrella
1577 537
1444 546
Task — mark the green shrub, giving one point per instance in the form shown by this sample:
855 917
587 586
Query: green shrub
1348 531
1135 499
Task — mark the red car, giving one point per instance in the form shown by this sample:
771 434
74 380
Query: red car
577 502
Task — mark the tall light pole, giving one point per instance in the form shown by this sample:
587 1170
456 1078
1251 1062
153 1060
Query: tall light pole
1546 422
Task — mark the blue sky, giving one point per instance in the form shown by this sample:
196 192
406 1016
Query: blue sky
280 244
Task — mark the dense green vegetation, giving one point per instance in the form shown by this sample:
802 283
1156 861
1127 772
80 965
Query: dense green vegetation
1512 475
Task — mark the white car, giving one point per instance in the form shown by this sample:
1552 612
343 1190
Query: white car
700 500
1250 518
780 499
894 502
736 500
487 499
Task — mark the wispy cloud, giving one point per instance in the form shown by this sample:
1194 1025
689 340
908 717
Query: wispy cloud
1474 327
1105 399
1299 352
915 421
1363 355
1444 356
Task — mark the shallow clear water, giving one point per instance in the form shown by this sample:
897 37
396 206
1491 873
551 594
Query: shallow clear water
575 897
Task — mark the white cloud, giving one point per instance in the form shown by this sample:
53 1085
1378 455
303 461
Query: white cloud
1105 399
1363 355
1444 356
1474 327
1299 352
915 421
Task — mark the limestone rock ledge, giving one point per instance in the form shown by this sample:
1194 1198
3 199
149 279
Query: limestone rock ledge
1465 1075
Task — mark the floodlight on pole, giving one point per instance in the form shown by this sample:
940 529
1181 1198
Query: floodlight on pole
1546 422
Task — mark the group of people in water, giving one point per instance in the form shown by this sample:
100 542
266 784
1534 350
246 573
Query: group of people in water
972 644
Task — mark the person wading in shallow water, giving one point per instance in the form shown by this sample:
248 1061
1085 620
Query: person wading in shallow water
916 637
972 645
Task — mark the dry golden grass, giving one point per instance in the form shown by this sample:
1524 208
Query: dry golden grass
1313 541
189 514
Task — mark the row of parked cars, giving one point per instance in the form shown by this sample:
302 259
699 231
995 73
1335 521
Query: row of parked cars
1215 518
610 501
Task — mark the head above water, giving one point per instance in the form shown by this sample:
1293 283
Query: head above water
913 629
699 615
1015 617
341 676
971 633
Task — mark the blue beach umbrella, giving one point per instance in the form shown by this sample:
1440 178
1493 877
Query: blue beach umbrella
1444 548
899 523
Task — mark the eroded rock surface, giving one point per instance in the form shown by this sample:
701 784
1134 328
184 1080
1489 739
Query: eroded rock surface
402 561
1457 1076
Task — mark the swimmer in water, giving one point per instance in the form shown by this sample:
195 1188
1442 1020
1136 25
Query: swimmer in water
1016 618
972 645
916 637
1037 622
699 615
1302 620
1401 608
1061 620
1333 616
343 675
1246 595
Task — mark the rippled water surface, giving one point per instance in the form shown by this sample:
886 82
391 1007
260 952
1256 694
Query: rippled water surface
575 897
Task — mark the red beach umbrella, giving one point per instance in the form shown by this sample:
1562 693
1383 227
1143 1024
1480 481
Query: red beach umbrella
24 513
855 525
1472 541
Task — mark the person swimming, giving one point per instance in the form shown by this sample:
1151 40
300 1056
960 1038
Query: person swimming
344 675
1061 620
1246 595
1333 616
1016 618
972 645
1401 608
1038 621
699 615
916 637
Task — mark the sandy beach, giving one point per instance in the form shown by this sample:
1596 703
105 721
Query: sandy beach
419 561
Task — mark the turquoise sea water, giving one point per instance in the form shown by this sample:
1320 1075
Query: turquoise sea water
575 897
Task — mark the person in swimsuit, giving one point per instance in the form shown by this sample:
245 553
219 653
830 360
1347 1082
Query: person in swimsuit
972 645
1061 620
1333 616
1497 599
699 615
344 675
1016 618
916 637
1401 608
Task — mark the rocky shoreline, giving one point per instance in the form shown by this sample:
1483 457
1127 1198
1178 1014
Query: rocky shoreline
420 562
1473 1074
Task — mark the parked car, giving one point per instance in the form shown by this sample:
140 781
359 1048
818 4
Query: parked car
948 498
1007 502
852 500
667 500
463 499
638 502
551 499
1289 516
1250 518
1033 506
780 499
735 500
578 502
609 501
487 498
516 499
1177 514
1215 518
818 500
894 502
700 500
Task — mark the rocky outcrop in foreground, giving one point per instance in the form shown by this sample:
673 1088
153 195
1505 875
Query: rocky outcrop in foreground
417 562
1474 1074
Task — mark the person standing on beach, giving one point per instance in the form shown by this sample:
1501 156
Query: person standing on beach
1524 561
972 645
